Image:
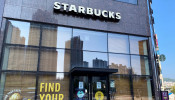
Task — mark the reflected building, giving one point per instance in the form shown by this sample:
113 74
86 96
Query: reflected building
98 63
140 61
33 35
77 43
17 52
14 35
26 59
77 53
122 69
143 63
53 58
142 44
28 37
67 57
85 64
49 58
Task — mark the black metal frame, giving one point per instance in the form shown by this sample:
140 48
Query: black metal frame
154 77
40 47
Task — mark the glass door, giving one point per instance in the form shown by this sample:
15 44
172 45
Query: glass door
89 88
80 88
99 88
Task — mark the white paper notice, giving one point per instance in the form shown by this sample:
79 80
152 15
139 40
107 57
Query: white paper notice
98 85
81 85
112 84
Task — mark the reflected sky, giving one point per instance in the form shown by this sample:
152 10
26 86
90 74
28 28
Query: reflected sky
136 65
118 43
64 35
24 28
60 60
92 40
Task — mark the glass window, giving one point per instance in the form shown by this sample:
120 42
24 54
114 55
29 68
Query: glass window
20 58
120 62
118 43
52 86
59 37
142 88
140 65
24 33
55 60
17 86
129 1
89 59
138 45
89 40
120 88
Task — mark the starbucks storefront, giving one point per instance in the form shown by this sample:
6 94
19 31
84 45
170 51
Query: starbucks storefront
76 50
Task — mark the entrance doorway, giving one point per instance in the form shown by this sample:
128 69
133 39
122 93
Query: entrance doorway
89 87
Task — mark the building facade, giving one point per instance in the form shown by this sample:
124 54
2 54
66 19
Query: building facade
77 50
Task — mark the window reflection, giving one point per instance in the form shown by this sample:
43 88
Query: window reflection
120 88
118 43
138 45
17 86
87 50
20 58
25 33
142 88
53 36
140 65
89 40
59 84
55 60
120 62
89 59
